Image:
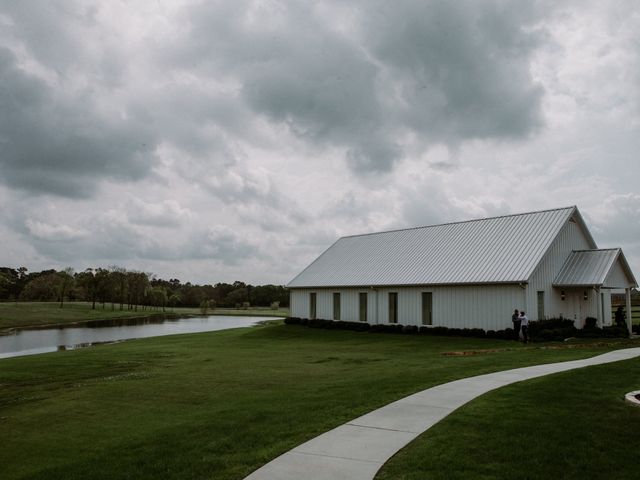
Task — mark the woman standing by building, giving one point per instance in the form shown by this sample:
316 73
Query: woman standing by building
524 325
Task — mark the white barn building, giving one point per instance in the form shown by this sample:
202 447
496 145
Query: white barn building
469 274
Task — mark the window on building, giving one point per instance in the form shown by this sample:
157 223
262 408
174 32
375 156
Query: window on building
312 305
427 308
363 306
541 305
336 306
393 307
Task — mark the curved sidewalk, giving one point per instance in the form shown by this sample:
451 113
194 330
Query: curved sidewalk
359 448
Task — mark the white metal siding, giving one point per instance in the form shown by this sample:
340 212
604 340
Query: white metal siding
299 303
617 277
487 306
606 307
571 237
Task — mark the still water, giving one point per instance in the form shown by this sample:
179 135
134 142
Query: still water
70 337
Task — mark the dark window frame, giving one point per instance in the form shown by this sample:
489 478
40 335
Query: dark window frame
363 307
539 297
427 314
313 305
393 307
336 306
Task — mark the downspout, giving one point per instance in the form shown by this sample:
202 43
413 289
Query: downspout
629 311
377 305
598 306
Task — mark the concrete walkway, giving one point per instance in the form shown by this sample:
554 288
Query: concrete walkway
357 449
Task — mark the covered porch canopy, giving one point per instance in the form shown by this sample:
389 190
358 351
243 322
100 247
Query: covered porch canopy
598 269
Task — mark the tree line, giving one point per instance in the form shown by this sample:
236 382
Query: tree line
119 288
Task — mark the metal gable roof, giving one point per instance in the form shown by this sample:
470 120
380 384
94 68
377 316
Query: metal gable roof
590 268
491 250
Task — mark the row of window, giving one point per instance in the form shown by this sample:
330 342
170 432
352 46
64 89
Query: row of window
427 306
426 297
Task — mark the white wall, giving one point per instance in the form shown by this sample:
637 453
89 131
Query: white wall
617 277
571 237
606 307
488 307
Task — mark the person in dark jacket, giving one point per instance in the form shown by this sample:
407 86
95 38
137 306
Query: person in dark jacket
515 318
621 317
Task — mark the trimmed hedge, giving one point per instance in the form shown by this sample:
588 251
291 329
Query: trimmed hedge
555 329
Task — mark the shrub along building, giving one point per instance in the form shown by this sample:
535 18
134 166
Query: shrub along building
469 274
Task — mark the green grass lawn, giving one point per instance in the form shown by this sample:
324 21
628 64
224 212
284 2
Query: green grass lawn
572 425
29 314
218 405
252 312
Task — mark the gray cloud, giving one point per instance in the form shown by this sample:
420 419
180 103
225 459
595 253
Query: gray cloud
438 71
431 71
222 244
461 68
240 139
51 143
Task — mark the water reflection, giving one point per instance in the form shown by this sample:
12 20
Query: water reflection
91 333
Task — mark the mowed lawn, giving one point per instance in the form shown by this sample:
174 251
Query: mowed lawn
218 405
32 314
572 425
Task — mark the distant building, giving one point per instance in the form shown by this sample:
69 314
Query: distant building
469 274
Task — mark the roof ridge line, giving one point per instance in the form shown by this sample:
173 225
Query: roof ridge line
458 222
596 249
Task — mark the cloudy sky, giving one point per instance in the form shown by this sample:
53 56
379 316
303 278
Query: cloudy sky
222 140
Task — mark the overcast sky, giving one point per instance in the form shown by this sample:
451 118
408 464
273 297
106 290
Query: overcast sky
214 141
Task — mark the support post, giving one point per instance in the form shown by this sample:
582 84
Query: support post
629 313
599 314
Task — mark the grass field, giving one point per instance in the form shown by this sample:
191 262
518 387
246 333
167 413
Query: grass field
26 314
218 405
253 312
572 425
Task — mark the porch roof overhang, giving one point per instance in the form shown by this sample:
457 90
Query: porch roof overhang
605 268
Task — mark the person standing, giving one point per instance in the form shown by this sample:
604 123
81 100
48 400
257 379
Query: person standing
515 318
621 317
524 324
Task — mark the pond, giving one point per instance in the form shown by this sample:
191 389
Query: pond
69 337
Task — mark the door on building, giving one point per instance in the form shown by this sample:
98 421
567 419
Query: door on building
579 308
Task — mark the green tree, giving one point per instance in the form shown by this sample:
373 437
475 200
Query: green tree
65 284
158 297
105 287
174 299
42 288
137 284
205 305
88 282
119 280
237 297
5 285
